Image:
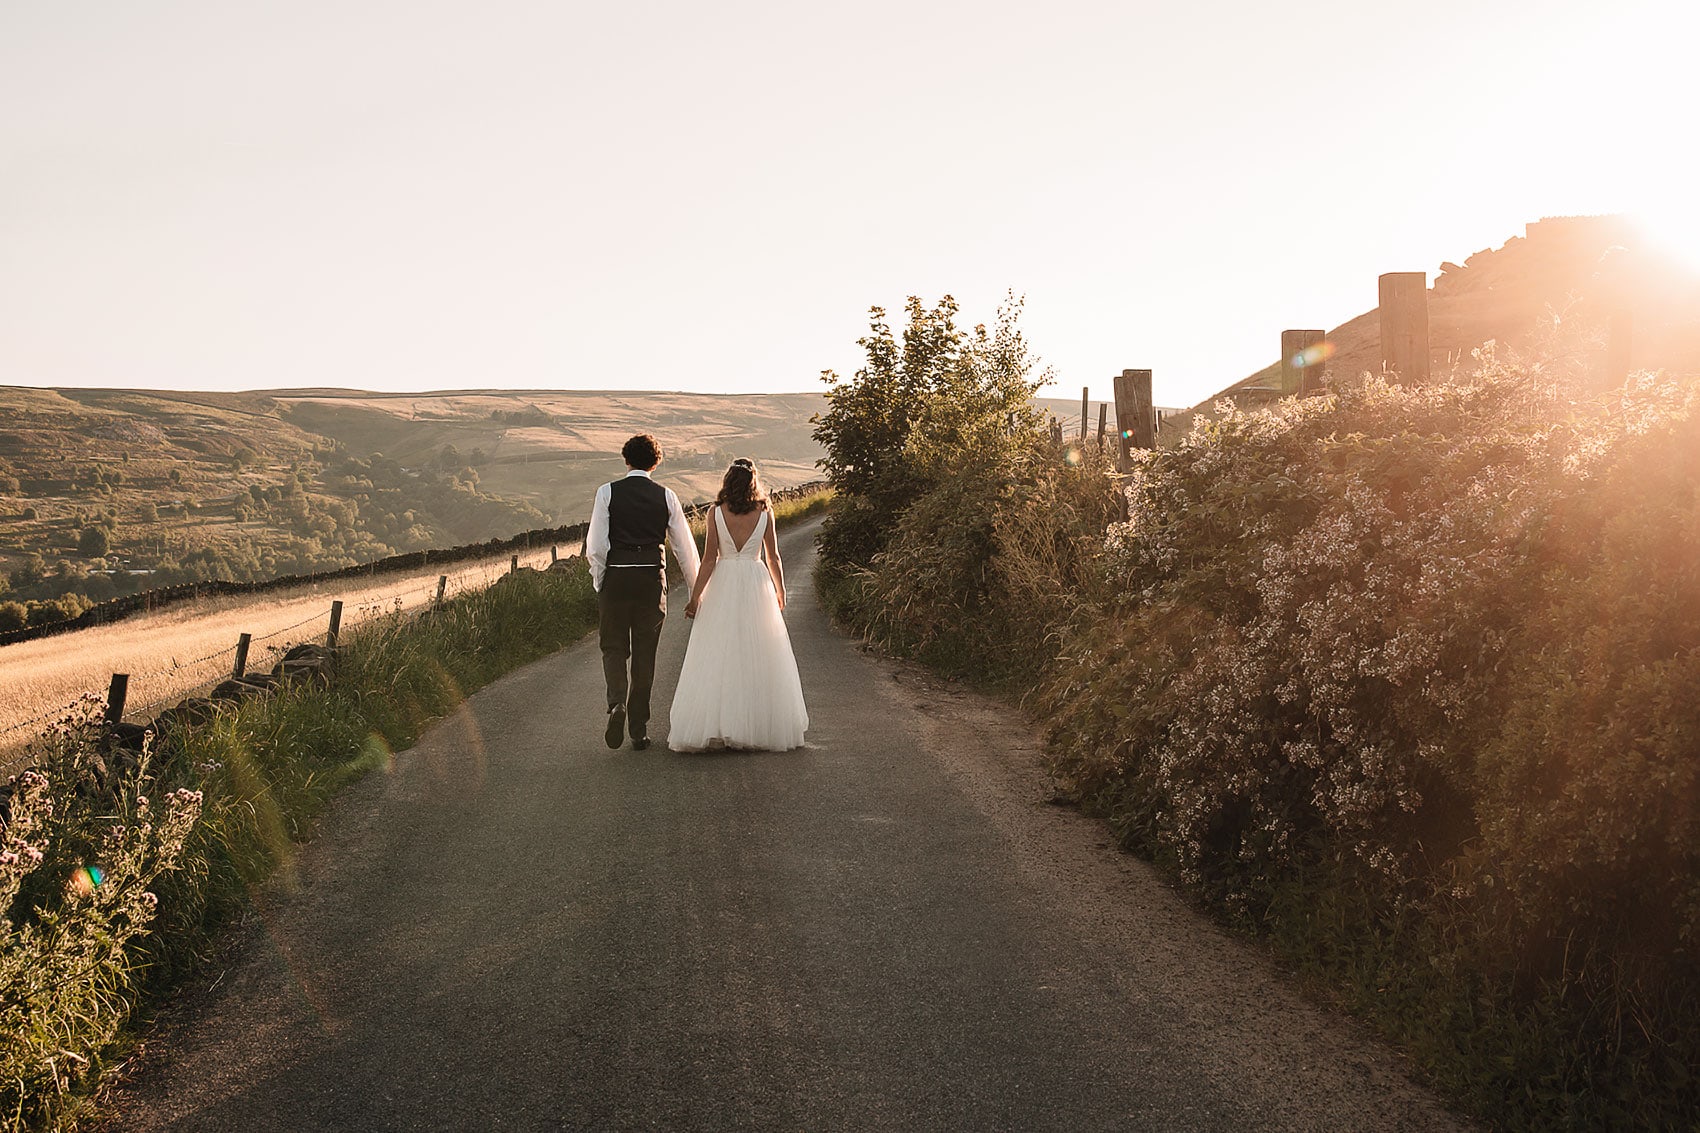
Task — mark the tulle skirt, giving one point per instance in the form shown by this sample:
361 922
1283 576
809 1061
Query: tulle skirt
739 686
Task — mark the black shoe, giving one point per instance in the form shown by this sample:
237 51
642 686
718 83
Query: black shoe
616 725
640 743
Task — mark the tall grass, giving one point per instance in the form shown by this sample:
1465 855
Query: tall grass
106 907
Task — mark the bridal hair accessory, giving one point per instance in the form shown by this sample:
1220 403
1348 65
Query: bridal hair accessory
744 462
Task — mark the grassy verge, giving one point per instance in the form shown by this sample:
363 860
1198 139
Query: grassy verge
116 882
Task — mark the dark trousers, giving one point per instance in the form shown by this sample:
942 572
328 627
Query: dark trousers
634 604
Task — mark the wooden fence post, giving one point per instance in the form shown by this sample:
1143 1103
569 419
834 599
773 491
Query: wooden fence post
514 567
442 585
554 555
336 624
116 693
1301 366
1136 416
1085 396
1103 423
241 665
1404 324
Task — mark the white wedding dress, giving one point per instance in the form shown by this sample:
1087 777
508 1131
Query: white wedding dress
738 687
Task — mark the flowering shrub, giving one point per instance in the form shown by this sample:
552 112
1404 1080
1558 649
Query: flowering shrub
1441 645
77 877
1405 677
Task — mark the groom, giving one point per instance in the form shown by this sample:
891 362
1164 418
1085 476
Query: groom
630 521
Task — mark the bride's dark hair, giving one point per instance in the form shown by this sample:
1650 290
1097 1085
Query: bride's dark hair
740 489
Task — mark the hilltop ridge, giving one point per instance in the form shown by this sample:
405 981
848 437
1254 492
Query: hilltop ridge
107 491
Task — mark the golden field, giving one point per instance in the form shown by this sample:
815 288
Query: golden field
174 652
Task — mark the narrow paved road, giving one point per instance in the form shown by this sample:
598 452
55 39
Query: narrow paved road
519 929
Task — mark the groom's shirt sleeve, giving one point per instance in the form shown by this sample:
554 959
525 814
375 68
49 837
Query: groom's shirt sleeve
596 539
684 543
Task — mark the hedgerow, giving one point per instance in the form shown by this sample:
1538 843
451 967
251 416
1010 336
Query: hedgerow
1404 678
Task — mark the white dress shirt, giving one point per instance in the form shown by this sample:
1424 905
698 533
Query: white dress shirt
596 542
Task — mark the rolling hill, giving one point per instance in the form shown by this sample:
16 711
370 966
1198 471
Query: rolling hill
105 491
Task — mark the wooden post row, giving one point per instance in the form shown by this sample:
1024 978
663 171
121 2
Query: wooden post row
1404 324
1301 361
116 693
1136 415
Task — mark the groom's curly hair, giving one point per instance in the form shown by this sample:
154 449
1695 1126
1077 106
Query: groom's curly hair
642 451
741 491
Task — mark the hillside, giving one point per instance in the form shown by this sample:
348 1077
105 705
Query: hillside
106 492
1550 292
550 448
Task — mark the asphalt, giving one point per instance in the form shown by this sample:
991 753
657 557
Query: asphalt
519 929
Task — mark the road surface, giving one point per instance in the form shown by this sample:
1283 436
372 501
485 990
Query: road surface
519 929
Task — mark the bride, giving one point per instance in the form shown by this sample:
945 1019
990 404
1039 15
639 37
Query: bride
739 686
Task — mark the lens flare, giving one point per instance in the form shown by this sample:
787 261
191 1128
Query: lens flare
376 752
87 879
1313 355
1073 455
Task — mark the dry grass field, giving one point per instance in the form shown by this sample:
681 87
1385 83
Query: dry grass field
174 652
552 448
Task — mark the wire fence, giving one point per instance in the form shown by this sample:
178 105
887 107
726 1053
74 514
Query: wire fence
168 681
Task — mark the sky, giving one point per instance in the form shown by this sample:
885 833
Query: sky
415 194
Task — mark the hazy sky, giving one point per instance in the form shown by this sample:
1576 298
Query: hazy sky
413 194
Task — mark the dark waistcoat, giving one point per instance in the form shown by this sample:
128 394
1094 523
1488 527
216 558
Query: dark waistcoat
637 522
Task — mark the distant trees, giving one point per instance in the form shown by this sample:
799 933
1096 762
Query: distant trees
530 415
94 542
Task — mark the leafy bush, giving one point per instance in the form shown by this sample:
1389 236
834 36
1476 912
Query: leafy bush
904 421
980 572
78 870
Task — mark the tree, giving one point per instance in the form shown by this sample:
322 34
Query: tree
13 615
94 542
915 410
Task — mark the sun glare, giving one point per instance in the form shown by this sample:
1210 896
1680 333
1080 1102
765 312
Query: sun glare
1673 231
